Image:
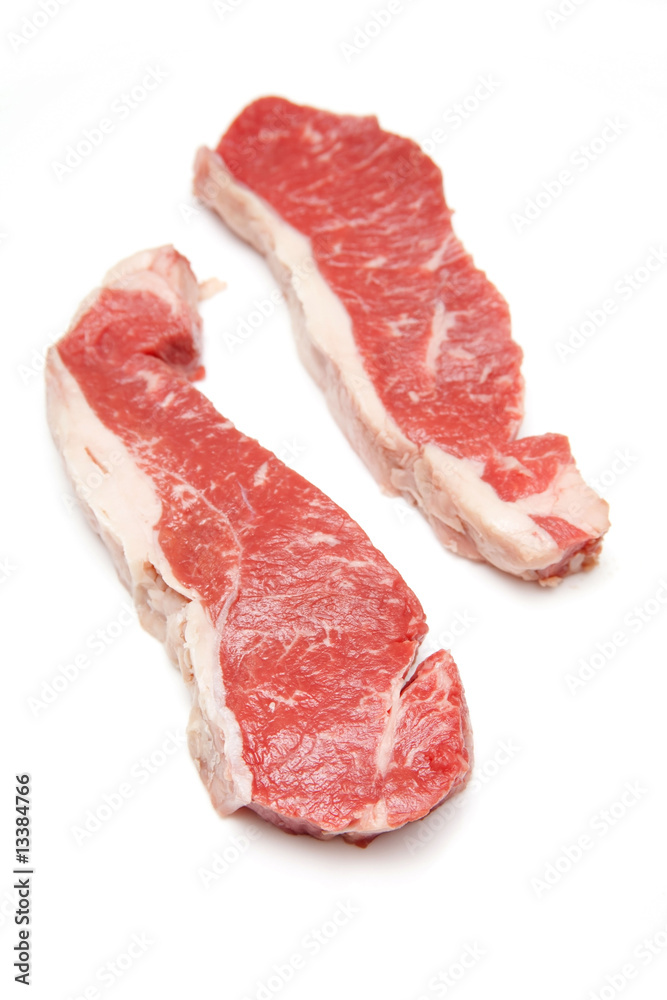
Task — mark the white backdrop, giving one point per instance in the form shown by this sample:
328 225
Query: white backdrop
549 878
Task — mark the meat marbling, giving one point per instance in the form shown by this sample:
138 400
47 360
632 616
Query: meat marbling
409 341
297 638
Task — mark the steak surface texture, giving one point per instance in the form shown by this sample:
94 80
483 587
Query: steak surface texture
295 635
410 342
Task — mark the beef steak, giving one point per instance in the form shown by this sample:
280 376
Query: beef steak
409 341
296 636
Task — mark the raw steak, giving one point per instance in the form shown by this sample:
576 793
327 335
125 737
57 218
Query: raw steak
296 635
410 342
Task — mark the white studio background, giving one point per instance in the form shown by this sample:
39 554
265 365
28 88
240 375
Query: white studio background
497 897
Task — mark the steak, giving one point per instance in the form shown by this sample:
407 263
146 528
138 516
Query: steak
409 341
295 635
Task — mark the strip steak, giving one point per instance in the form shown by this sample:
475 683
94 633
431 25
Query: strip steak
296 636
409 341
